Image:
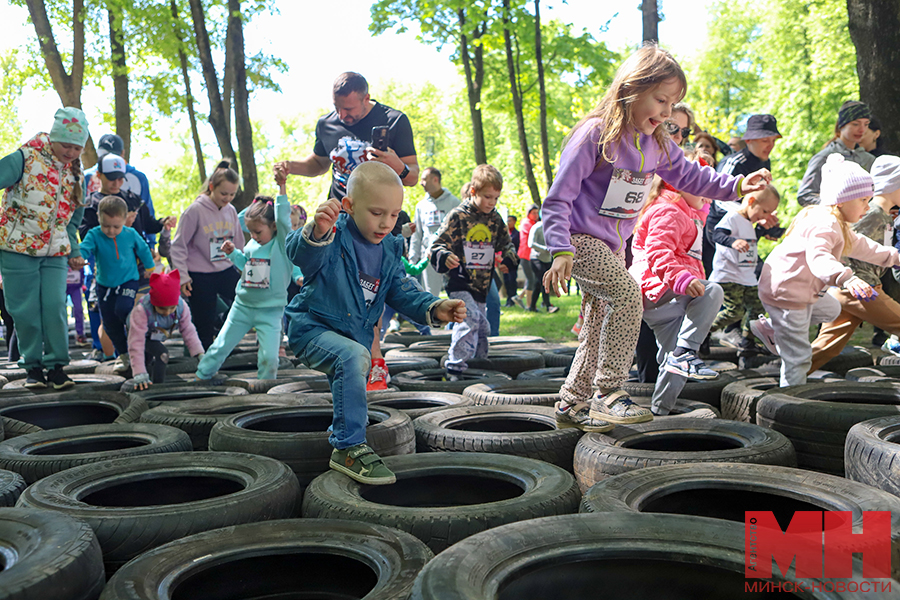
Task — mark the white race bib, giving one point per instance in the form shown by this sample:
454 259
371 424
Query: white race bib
434 218
696 249
479 255
256 273
748 259
216 254
627 194
73 277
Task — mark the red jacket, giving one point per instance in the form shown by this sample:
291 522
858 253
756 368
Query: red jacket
524 251
667 246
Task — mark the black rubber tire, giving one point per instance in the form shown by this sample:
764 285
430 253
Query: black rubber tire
175 392
725 353
709 391
773 369
560 357
432 352
241 362
409 337
817 416
682 408
179 364
37 455
511 362
528 431
181 379
249 382
197 417
297 435
444 497
726 491
93 381
138 503
11 487
630 447
31 413
402 365
11 371
888 360
81 367
541 393
892 371
277 559
851 357
872 454
739 398
417 404
544 374
433 380
626 555
310 386
515 340
48 556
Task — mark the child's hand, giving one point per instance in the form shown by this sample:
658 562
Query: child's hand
142 381
740 245
756 181
770 221
170 222
452 261
76 262
860 289
228 247
695 289
559 273
503 268
186 289
326 215
451 310
130 217
299 281
280 172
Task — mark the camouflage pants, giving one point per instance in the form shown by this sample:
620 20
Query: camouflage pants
742 304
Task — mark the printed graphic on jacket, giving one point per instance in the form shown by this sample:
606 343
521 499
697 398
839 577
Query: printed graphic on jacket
369 287
347 155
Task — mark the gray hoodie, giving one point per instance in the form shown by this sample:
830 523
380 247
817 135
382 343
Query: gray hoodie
430 213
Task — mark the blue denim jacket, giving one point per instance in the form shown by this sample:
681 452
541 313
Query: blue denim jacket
331 297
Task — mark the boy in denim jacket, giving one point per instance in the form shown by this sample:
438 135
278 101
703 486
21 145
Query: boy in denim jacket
351 266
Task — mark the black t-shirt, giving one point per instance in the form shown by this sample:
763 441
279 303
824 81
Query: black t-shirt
346 145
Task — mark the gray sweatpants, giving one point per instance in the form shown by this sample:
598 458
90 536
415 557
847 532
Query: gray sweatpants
678 320
469 338
792 335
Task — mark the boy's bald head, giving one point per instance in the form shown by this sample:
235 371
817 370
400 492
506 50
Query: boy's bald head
369 177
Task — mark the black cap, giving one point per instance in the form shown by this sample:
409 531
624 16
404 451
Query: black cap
761 126
110 144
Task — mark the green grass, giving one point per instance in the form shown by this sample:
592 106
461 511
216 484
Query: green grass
553 328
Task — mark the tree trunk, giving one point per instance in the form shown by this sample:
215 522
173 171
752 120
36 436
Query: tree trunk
650 18
188 96
545 142
120 77
473 85
875 31
242 125
216 114
67 86
228 74
517 106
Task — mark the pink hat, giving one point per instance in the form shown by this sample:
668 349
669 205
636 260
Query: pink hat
843 181
165 289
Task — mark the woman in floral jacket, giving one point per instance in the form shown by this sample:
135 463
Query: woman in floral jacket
39 217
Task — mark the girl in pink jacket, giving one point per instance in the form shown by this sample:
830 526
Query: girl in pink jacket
797 273
679 304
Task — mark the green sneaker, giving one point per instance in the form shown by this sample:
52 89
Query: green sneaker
361 464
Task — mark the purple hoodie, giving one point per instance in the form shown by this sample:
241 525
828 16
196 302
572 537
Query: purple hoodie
202 226
582 181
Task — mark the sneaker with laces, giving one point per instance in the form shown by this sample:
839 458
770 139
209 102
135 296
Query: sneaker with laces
96 355
617 407
361 464
393 326
58 378
123 363
765 333
577 416
552 309
731 339
81 341
892 345
688 365
518 301
35 379
378 376
576 328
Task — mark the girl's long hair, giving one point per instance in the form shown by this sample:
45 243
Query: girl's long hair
812 212
222 172
639 74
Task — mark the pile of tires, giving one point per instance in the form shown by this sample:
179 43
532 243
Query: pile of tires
872 453
29 413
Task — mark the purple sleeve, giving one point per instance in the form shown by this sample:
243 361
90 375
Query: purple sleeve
576 163
685 175
179 252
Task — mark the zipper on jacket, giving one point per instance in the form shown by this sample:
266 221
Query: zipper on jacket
116 244
59 189
637 143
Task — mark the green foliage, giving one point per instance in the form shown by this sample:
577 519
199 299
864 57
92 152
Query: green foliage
10 90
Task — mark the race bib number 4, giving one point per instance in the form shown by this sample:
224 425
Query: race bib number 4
257 272
479 255
627 194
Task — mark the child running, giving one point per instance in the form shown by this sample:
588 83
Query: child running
352 267
115 249
261 293
798 271
153 321
39 216
605 173
464 248
679 304
734 265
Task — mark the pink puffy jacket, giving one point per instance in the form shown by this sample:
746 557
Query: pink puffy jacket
664 236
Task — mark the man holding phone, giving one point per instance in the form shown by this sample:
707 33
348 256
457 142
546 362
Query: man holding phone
357 130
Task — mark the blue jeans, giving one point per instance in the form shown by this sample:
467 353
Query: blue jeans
346 363
493 308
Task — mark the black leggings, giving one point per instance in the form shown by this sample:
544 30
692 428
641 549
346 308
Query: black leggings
205 291
539 269
156 357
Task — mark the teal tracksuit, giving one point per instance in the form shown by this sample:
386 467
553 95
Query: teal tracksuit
260 298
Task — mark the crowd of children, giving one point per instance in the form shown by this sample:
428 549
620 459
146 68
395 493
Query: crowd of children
325 281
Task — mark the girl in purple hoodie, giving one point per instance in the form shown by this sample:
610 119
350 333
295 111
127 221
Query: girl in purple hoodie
196 252
605 173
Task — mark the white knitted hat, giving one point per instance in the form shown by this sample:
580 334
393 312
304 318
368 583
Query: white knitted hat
843 181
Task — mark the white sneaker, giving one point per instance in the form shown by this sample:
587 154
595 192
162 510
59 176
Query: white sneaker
394 326
765 333
892 345
122 363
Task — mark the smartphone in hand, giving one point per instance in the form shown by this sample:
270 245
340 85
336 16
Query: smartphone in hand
380 137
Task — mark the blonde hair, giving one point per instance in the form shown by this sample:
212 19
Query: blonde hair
769 190
368 175
815 211
641 73
485 176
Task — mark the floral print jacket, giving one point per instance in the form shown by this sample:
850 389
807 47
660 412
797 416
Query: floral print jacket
36 211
